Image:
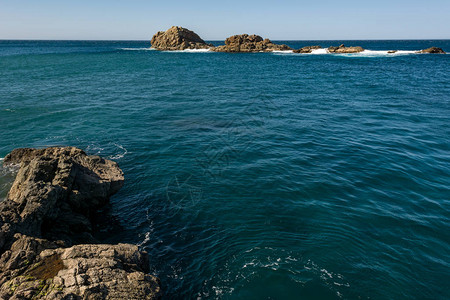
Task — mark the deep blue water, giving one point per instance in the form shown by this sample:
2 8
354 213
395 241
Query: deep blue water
255 176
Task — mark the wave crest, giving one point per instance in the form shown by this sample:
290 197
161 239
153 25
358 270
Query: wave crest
137 49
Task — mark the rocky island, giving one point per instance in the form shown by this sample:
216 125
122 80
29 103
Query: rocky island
307 49
178 38
432 50
47 250
344 49
249 43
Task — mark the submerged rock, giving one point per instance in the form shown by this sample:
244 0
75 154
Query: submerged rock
343 49
432 50
178 38
48 211
249 43
307 49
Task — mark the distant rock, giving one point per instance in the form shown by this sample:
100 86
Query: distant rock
432 50
392 51
307 49
178 38
45 222
343 49
249 43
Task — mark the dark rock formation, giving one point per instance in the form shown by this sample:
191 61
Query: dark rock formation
307 49
55 192
392 51
249 43
343 49
432 50
178 38
47 211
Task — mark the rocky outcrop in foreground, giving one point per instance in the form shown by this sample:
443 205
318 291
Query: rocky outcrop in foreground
249 43
432 50
343 49
46 221
178 38
307 49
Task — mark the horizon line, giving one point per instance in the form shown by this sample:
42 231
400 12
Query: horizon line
221 40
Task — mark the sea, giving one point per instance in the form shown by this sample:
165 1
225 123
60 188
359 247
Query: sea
255 175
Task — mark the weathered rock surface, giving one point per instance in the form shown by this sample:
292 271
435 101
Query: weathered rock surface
432 50
249 43
178 38
45 217
55 192
343 49
307 49
34 269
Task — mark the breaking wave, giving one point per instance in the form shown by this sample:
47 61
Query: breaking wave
365 53
176 51
319 51
322 51
190 51
283 51
373 53
137 49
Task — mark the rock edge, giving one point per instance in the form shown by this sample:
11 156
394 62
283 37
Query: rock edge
45 223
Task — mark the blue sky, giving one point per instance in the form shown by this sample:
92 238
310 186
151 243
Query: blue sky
216 20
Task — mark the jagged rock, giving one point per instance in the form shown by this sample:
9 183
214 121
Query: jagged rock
307 49
178 38
249 43
432 50
33 268
55 191
47 210
343 49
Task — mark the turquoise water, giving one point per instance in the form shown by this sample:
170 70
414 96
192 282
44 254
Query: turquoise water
255 176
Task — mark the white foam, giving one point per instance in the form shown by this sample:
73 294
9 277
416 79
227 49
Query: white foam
403 52
94 149
138 49
120 155
147 239
283 51
320 51
368 53
190 51
383 53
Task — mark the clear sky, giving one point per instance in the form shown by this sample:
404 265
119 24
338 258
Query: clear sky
216 20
